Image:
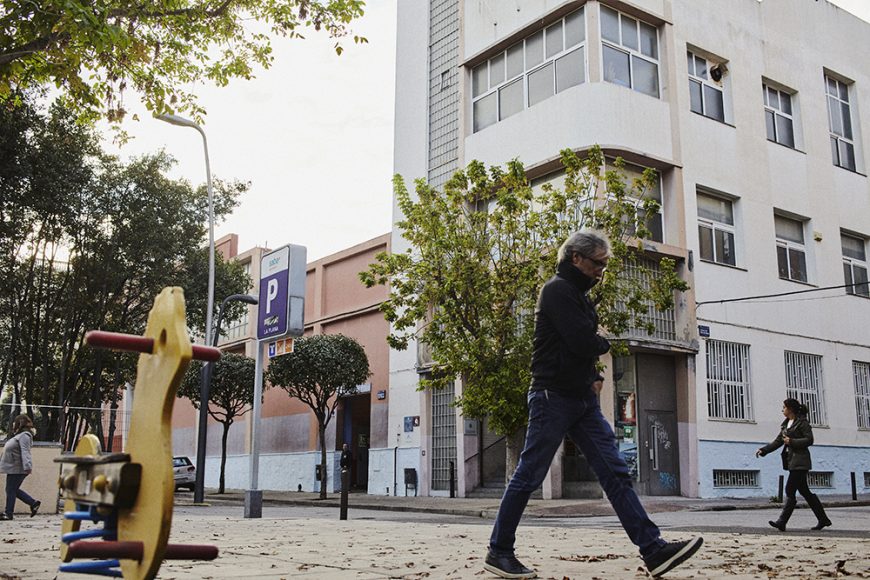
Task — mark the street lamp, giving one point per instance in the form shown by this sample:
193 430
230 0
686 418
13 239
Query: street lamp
205 392
203 410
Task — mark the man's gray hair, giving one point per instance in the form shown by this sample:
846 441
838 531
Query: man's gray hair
585 242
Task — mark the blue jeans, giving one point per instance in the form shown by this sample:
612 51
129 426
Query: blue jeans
13 490
551 417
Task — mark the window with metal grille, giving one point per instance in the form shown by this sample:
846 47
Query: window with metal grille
861 375
820 479
645 270
803 381
443 436
728 389
735 478
867 479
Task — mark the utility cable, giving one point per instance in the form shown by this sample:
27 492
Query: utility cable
757 297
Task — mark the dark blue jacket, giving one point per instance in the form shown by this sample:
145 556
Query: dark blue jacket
567 344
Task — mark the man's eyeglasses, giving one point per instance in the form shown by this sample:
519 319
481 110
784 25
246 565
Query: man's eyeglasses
598 263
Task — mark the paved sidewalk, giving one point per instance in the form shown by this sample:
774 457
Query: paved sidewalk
294 543
487 507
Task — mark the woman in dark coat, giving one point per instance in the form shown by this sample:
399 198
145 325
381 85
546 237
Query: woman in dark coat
795 437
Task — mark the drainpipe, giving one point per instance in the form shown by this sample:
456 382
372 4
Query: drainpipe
395 468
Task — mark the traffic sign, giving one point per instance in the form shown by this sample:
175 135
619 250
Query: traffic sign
279 347
282 293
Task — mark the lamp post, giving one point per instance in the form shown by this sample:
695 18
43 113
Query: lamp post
205 393
203 409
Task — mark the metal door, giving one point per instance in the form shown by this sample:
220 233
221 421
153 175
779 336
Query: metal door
659 442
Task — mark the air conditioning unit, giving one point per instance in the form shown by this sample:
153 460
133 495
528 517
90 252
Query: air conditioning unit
717 71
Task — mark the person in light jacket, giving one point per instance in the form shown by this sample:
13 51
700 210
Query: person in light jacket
795 437
17 463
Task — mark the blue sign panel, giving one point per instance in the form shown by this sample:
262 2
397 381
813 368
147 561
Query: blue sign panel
703 331
282 293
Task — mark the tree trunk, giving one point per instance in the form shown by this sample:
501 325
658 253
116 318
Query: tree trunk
224 437
513 447
321 433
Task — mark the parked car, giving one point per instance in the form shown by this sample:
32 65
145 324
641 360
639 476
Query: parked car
185 472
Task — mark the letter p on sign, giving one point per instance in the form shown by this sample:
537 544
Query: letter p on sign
271 293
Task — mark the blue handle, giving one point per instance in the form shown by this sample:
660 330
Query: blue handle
98 567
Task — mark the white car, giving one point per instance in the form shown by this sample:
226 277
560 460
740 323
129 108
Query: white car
185 472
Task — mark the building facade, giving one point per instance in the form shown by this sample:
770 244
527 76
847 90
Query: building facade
335 302
754 114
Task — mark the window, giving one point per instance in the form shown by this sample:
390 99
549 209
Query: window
791 254
532 70
630 50
855 265
820 479
728 390
716 229
840 123
778 116
861 374
706 94
654 221
803 381
735 478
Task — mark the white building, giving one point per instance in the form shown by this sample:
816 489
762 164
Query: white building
756 115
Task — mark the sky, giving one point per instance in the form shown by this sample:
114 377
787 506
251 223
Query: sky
313 134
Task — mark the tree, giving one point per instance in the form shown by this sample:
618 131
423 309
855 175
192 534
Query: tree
480 252
87 242
321 369
94 51
231 395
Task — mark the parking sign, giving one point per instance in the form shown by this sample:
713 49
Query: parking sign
282 293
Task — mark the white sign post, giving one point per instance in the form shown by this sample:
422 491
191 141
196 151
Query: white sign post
279 315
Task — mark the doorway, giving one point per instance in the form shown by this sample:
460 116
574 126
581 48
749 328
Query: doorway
355 424
646 421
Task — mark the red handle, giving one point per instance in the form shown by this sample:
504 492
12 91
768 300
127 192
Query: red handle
134 550
98 549
135 343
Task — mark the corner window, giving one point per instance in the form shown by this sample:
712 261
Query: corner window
532 70
716 229
855 265
778 116
630 52
654 222
791 256
705 87
840 123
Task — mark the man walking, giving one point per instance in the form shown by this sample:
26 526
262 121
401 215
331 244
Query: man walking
563 400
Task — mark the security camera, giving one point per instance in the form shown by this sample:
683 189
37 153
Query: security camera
717 71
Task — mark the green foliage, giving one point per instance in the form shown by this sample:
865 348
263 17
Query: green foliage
87 242
321 369
94 51
231 394
232 386
481 249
